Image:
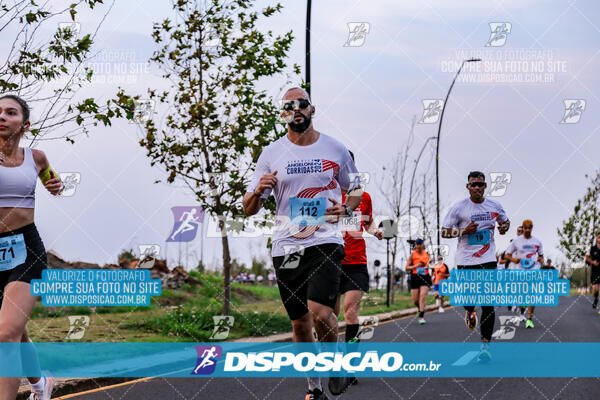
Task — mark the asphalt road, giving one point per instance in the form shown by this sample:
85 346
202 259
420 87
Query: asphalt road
573 320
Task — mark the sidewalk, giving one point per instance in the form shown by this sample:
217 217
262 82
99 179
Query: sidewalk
64 386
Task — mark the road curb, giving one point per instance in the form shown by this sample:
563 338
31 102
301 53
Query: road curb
65 386
286 337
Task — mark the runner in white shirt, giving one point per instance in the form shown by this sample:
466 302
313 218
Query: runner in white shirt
473 222
526 252
506 263
306 170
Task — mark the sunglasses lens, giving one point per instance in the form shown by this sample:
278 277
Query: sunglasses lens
303 103
291 105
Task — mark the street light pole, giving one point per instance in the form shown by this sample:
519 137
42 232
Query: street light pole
437 149
308 6
412 180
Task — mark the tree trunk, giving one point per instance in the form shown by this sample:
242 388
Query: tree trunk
226 268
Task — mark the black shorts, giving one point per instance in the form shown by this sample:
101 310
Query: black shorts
416 281
354 277
35 261
315 277
595 278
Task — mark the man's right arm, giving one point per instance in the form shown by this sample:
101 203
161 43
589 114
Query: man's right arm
449 226
251 203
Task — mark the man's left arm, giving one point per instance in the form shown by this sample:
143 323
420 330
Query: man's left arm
503 222
354 192
369 223
541 254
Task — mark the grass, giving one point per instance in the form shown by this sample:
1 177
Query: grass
197 325
186 314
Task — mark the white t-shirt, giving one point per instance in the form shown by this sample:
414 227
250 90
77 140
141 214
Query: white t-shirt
524 248
477 248
316 171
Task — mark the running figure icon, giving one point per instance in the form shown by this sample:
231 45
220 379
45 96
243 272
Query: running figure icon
207 356
186 222
207 361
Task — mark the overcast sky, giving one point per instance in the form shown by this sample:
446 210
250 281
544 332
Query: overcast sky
366 97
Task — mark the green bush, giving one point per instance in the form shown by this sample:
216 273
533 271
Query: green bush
197 325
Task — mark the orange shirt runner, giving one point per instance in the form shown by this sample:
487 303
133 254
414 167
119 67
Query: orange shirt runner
438 271
420 257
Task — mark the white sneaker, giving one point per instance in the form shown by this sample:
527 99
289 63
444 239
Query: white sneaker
47 393
523 319
441 309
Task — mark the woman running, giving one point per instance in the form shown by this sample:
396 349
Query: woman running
22 253
420 280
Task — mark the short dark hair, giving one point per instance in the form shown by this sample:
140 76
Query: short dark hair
22 103
476 174
351 155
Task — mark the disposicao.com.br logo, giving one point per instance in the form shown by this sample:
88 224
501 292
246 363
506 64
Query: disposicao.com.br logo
351 362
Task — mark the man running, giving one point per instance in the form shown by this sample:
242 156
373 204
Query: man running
420 280
548 264
527 252
473 221
354 279
508 264
24 255
593 260
355 275
440 272
305 170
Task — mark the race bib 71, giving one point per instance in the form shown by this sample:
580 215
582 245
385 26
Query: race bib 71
13 251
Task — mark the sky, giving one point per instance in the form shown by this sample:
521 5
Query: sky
503 115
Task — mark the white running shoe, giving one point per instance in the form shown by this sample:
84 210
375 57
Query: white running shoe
441 309
46 394
523 319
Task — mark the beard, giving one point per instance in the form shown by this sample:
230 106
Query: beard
301 126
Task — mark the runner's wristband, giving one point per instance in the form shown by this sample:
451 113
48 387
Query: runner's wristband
46 175
348 210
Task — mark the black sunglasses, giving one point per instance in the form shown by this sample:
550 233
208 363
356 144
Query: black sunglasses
291 105
476 184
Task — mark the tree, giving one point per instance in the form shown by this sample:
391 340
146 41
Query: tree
126 254
259 266
577 233
48 71
201 268
218 121
395 185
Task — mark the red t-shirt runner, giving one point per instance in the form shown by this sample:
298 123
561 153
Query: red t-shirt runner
354 244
